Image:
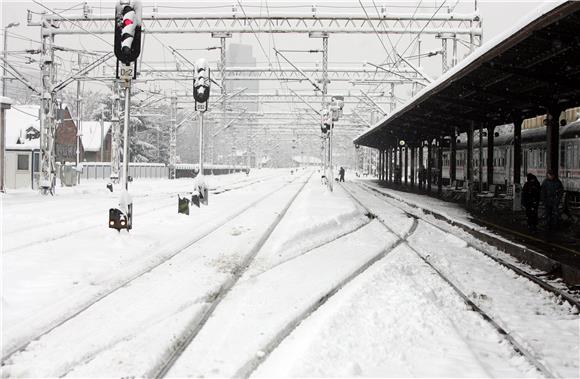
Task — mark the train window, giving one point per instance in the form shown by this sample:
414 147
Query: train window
576 160
563 155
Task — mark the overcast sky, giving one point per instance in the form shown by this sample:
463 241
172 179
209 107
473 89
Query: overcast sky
346 50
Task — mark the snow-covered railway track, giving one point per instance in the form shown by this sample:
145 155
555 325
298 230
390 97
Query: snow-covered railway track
143 199
14 348
183 341
546 285
248 368
154 200
519 345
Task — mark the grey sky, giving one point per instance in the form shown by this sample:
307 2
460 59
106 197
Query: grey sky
346 50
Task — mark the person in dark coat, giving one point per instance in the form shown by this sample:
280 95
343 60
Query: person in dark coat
531 200
551 194
341 173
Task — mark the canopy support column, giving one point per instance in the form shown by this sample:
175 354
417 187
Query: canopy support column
429 164
490 142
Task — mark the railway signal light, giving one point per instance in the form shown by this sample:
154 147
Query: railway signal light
326 121
182 205
128 31
336 106
201 84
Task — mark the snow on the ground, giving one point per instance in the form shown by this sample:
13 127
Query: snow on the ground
528 312
421 206
522 305
52 277
258 308
317 216
139 317
393 217
397 320
451 210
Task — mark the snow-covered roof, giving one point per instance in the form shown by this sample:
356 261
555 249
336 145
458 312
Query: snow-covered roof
91 134
18 119
537 13
6 100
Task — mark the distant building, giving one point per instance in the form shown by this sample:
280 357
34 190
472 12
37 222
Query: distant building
94 135
66 138
22 146
241 55
300 161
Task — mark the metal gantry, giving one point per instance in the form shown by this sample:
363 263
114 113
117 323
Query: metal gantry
207 22
222 24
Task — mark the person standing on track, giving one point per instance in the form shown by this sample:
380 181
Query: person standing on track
531 200
551 192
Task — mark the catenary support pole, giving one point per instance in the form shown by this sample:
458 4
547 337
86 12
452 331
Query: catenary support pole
173 136
79 121
48 111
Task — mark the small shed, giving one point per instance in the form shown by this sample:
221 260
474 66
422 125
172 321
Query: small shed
22 146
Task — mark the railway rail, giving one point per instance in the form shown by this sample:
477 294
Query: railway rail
148 200
10 351
246 370
539 279
188 335
519 347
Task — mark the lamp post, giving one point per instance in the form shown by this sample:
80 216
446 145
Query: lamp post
5 105
11 25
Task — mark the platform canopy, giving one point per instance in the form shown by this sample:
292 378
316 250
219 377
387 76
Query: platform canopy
521 73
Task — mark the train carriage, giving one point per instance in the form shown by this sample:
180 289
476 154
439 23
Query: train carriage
533 158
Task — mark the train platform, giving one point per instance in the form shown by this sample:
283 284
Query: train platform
555 252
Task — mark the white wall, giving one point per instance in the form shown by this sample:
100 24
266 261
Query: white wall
18 178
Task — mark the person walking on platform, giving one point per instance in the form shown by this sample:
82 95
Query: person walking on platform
551 193
531 200
422 174
341 174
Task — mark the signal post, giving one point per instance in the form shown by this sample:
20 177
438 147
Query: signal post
127 50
